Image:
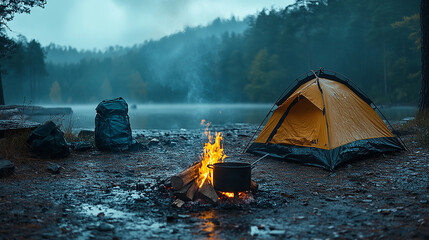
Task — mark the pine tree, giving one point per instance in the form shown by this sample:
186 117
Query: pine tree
424 93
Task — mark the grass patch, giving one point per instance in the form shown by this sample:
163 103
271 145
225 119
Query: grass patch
422 136
69 135
419 127
14 144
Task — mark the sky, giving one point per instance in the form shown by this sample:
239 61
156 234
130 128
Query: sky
98 24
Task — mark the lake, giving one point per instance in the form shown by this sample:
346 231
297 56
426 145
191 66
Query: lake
189 116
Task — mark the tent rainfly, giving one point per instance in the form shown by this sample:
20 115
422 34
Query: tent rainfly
324 121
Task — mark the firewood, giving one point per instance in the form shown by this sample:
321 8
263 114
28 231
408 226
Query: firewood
253 186
178 203
181 193
190 194
208 192
179 180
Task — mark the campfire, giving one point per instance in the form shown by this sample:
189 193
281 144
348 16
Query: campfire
196 182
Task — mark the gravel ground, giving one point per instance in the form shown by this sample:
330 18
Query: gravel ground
100 195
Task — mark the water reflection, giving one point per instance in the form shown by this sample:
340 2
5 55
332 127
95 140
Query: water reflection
177 116
188 116
207 224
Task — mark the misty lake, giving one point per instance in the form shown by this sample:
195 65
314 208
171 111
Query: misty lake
189 116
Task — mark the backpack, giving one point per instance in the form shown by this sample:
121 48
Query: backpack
112 126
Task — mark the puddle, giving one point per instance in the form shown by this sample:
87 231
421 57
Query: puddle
94 210
138 227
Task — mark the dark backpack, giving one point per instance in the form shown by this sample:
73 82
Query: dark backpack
112 125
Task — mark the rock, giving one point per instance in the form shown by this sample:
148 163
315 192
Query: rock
169 143
48 141
6 168
277 232
80 146
86 135
287 195
15 124
171 218
386 211
53 167
153 142
330 199
91 227
136 146
105 227
140 186
254 231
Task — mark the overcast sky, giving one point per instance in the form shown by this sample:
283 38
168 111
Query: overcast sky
88 24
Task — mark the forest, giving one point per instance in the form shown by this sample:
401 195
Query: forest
376 44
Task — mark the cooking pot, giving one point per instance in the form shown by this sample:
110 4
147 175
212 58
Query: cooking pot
232 176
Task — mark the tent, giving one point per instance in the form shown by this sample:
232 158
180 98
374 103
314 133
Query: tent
324 121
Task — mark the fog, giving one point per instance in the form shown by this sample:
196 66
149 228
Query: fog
250 58
99 24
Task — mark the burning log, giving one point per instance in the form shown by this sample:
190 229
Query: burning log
208 192
179 180
190 194
181 193
196 181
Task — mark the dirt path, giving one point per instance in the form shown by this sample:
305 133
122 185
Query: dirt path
120 196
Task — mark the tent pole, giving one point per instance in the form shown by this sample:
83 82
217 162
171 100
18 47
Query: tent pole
375 105
269 112
324 108
326 117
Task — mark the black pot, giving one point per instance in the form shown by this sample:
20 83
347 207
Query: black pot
231 176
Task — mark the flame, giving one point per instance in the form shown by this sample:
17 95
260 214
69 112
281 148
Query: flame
212 153
242 197
231 194
228 194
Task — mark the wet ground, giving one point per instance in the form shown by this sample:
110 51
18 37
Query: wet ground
121 196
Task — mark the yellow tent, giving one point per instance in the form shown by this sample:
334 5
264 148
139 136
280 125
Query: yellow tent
324 121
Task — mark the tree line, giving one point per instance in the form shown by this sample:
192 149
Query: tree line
375 43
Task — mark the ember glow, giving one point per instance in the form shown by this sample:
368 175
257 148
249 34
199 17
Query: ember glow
212 153
228 194
242 197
